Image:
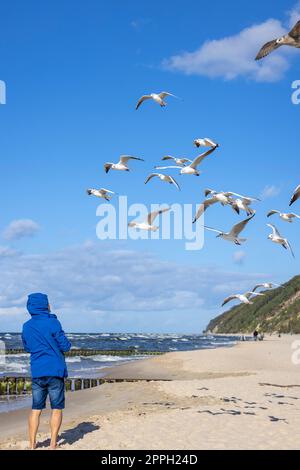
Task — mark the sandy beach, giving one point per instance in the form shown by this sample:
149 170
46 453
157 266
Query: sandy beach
245 397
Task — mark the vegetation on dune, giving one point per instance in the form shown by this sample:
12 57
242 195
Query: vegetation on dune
277 311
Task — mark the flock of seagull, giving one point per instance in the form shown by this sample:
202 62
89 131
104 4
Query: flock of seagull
239 203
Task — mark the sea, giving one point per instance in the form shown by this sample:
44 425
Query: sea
94 366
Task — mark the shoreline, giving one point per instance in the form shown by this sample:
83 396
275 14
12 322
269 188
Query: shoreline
243 397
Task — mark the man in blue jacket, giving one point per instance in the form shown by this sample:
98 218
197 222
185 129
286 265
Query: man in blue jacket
46 342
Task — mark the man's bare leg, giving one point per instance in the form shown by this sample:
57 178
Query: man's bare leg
33 425
55 423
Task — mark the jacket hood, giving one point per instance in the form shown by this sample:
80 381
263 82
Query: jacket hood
38 304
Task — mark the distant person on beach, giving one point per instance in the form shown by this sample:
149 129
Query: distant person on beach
46 342
255 335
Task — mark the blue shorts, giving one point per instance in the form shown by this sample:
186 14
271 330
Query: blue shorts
42 386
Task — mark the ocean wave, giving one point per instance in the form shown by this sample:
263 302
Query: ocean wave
73 359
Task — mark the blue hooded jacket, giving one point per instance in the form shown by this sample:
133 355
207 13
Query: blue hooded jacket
44 339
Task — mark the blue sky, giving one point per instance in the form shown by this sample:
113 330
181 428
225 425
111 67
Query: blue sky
74 71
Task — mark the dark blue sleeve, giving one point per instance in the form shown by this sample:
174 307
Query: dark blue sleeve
24 342
62 341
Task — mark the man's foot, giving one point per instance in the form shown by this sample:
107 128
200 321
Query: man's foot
32 446
53 446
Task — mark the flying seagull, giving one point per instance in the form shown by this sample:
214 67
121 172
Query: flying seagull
178 161
222 197
243 203
275 237
157 97
190 169
296 195
266 285
165 178
284 216
206 142
290 39
102 193
233 235
121 165
148 225
244 298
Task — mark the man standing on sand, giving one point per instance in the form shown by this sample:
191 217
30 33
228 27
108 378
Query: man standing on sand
46 342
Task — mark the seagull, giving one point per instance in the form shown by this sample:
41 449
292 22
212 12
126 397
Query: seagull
165 178
233 235
244 298
290 39
286 217
266 285
190 169
102 192
157 97
275 237
121 165
296 195
221 197
243 203
150 219
178 161
206 142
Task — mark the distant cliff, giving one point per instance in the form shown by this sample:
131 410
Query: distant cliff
277 311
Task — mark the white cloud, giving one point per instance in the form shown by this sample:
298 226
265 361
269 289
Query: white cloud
294 14
21 228
88 280
270 191
239 257
233 56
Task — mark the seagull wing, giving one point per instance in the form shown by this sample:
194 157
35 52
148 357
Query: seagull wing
255 294
210 142
125 158
229 299
209 191
238 228
107 167
168 157
245 199
163 94
295 32
201 157
153 215
293 216
142 99
288 245
275 231
212 229
258 286
174 182
167 167
150 177
272 213
296 195
103 190
203 206
267 49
